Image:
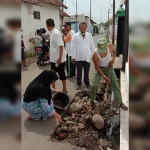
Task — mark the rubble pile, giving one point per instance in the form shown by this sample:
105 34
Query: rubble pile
86 125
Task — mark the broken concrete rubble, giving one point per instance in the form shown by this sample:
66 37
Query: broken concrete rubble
98 121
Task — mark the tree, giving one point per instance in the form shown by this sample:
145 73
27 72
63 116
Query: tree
106 24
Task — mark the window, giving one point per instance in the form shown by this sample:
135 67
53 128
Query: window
36 15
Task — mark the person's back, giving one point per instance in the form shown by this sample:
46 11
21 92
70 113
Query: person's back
37 41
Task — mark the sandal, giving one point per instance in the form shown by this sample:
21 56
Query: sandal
123 106
64 91
90 103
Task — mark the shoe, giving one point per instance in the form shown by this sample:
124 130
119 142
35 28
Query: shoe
123 106
78 87
69 77
88 86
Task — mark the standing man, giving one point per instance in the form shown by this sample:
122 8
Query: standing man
82 50
103 59
67 39
57 52
22 52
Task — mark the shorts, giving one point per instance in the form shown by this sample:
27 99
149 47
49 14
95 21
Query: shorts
60 69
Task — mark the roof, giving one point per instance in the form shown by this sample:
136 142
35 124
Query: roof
72 18
63 14
34 2
93 22
52 2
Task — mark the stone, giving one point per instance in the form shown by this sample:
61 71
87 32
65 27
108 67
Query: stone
100 148
86 117
76 114
73 115
74 107
65 118
83 111
95 112
76 119
58 131
104 144
64 128
63 136
69 123
98 121
83 149
80 126
95 136
77 98
80 102
88 107
85 98
74 129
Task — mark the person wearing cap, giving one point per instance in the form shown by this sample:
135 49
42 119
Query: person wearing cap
67 39
82 50
104 58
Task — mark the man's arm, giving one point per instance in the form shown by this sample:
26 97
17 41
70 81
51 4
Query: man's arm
96 63
113 52
92 45
73 48
59 43
67 38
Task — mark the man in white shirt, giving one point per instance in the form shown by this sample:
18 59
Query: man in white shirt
69 65
82 50
57 52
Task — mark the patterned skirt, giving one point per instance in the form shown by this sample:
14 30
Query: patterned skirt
39 108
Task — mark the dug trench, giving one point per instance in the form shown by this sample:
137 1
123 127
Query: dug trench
90 127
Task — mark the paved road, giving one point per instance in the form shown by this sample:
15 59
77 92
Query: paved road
36 134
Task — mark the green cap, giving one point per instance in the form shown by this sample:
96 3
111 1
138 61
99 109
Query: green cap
102 45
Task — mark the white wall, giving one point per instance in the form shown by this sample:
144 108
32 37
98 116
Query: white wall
30 25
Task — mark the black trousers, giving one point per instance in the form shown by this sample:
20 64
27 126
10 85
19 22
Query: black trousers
60 69
70 67
80 65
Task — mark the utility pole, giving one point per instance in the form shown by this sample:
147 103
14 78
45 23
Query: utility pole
76 18
113 30
62 16
90 9
100 15
126 36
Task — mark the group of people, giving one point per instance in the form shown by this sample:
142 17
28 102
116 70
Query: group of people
80 50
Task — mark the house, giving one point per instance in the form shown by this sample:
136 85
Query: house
80 18
102 28
34 14
62 14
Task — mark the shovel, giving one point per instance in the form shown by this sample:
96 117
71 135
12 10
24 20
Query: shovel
107 86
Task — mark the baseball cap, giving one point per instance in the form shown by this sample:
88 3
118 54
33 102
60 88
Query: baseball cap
102 45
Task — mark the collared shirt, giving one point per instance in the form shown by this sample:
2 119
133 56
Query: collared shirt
82 49
67 40
55 43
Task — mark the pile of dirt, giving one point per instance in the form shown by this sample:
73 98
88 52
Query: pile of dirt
89 126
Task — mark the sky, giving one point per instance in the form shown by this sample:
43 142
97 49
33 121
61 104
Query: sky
138 9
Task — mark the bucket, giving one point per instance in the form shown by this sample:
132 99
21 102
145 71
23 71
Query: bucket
61 101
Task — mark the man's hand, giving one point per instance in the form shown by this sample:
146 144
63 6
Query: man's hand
106 79
111 63
73 61
59 61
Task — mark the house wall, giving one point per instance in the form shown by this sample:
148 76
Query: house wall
30 25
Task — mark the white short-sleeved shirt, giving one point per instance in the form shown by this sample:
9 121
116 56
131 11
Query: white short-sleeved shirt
55 43
68 44
82 49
